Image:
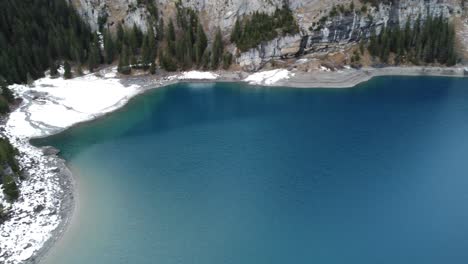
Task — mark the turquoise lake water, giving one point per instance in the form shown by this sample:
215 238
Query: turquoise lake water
232 174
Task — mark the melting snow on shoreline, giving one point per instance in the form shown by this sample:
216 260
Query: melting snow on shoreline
197 75
49 106
55 103
268 77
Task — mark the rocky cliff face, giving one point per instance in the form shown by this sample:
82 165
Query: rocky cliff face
319 32
112 11
334 33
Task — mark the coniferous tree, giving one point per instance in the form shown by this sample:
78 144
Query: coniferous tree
10 188
133 39
120 37
152 68
217 50
200 44
171 38
5 91
79 70
124 66
109 47
4 107
260 27
236 32
53 69
152 44
67 74
37 38
160 30
145 53
94 57
227 60
428 41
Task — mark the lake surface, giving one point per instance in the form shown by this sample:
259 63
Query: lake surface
233 174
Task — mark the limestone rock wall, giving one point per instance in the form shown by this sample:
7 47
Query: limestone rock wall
315 33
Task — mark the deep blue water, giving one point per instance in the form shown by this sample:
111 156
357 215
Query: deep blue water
231 174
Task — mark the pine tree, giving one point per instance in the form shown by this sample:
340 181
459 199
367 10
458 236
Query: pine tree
152 68
120 37
167 62
10 188
53 69
160 30
35 39
171 38
4 107
200 44
5 91
227 60
152 44
109 47
133 39
217 50
67 74
79 70
236 32
145 53
123 66
94 57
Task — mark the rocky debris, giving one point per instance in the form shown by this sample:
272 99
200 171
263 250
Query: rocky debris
50 151
38 208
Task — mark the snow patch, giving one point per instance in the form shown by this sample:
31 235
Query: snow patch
268 77
56 103
197 75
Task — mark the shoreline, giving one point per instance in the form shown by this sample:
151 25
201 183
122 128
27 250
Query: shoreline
347 78
350 78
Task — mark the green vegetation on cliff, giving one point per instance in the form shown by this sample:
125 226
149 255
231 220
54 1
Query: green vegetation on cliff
249 32
429 41
186 46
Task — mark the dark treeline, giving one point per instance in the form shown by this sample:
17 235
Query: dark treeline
178 45
34 34
251 31
429 41
6 96
186 46
135 49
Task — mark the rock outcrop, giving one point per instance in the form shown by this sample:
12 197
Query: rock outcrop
330 34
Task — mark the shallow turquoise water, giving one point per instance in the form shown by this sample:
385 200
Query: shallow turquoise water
224 173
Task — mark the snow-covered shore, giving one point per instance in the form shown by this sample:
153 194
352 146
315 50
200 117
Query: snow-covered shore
49 106
52 105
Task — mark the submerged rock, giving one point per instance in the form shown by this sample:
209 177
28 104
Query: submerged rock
50 151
